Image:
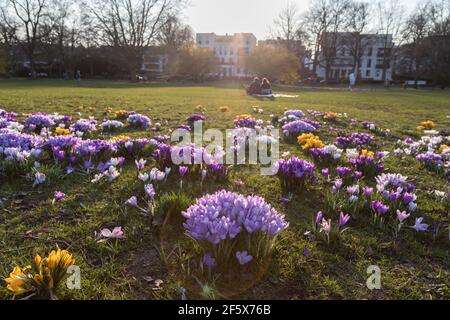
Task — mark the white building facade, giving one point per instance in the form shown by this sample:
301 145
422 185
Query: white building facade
374 48
229 49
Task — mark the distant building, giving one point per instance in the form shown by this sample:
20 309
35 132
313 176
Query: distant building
155 61
374 48
229 49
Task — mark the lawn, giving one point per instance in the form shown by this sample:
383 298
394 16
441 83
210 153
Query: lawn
141 266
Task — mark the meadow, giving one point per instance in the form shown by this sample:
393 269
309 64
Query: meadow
154 259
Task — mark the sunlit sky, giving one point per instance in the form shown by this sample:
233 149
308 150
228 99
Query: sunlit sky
255 16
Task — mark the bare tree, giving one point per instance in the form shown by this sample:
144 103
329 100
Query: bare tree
28 22
438 43
288 26
131 25
315 22
417 28
174 34
331 37
389 26
357 23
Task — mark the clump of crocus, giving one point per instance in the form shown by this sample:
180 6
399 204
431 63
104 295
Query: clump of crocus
227 223
244 121
41 278
328 229
426 125
61 131
294 172
309 141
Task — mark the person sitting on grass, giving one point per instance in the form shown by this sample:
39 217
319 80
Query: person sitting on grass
266 88
254 87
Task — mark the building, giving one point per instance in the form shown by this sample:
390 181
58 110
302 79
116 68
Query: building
374 49
155 62
229 50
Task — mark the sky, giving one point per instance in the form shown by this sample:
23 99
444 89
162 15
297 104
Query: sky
255 16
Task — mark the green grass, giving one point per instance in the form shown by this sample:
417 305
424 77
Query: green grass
415 268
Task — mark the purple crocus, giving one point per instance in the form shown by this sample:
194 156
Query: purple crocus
116 233
319 216
243 257
325 172
379 208
140 164
208 260
182 170
419 226
343 219
409 197
59 195
150 191
402 215
132 202
367 191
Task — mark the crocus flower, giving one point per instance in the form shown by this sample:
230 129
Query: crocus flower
150 191
402 215
243 257
412 207
182 170
419 226
203 174
409 197
208 260
343 219
379 208
143 176
325 172
319 216
116 233
59 195
132 202
140 164
325 226
367 191
39 178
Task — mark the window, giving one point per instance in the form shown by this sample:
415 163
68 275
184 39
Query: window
200 42
368 73
369 51
343 52
369 63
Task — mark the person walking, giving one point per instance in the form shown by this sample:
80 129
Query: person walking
78 77
352 80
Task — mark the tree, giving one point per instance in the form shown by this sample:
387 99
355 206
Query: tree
174 36
331 36
28 22
357 22
416 30
287 26
284 65
389 26
131 25
196 63
315 22
438 42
